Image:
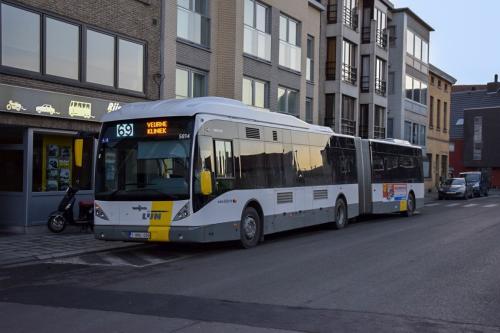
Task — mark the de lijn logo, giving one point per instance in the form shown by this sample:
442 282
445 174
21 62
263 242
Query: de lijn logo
150 215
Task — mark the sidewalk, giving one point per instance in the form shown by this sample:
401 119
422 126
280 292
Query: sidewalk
16 249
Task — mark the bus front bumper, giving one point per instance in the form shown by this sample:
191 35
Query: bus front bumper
188 234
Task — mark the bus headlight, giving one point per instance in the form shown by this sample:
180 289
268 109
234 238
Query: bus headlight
100 213
183 213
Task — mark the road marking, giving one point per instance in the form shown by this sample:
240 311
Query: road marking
470 205
453 205
432 204
490 206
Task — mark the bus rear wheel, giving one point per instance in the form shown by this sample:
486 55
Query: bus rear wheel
340 214
250 228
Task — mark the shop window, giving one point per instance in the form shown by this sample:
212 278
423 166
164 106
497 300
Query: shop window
11 164
53 164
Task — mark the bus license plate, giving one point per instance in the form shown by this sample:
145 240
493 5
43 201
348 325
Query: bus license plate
139 235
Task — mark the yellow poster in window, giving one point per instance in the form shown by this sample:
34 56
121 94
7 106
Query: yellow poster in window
57 165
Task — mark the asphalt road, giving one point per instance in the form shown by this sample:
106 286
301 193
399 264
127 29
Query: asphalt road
438 271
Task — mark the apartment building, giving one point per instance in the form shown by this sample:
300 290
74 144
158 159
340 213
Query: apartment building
474 129
63 64
408 77
355 61
264 53
438 126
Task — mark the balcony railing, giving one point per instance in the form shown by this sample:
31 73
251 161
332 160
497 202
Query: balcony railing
257 43
365 84
348 126
380 87
349 74
381 37
378 132
351 18
193 26
331 69
290 56
332 13
330 122
366 35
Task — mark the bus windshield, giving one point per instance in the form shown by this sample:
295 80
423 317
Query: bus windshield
144 160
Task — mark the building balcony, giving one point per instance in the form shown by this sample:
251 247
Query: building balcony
351 18
378 132
349 74
257 43
193 27
363 132
331 69
332 14
290 56
381 38
348 126
365 84
380 87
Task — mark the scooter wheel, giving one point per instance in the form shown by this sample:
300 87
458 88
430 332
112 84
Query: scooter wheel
56 223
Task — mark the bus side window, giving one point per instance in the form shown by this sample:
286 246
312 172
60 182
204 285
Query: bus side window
203 162
224 166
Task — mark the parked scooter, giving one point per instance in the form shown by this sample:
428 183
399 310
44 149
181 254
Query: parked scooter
59 219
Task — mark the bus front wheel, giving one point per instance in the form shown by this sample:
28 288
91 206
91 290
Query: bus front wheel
340 214
250 228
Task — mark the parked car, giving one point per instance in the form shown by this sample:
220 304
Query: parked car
479 180
455 188
46 108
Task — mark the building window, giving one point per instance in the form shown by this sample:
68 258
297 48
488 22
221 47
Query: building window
428 166
100 58
381 35
390 128
416 90
254 93
349 70
257 39
417 48
363 120
289 52
130 65
379 123
310 59
415 133
332 11
477 147
445 117
365 74
408 131
193 23
331 58
438 114
431 113
53 168
351 14
348 115
190 83
62 49
380 81
288 101
309 110
20 38
330 110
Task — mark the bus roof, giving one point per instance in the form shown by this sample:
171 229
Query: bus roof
208 105
398 142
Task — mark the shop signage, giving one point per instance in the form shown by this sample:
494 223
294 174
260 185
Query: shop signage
15 99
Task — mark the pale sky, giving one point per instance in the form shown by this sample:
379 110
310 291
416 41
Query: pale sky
466 43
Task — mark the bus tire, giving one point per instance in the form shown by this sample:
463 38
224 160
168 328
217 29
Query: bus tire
341 219
410 205
250 228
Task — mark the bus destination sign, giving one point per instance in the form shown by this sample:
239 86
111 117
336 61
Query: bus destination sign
157 128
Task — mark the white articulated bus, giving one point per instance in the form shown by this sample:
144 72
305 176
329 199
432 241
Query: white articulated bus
213 169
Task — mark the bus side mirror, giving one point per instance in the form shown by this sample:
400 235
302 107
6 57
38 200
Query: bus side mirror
206 182
78 147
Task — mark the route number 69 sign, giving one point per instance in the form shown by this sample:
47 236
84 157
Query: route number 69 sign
124 130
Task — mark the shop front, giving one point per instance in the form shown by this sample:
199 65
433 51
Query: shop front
37 133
